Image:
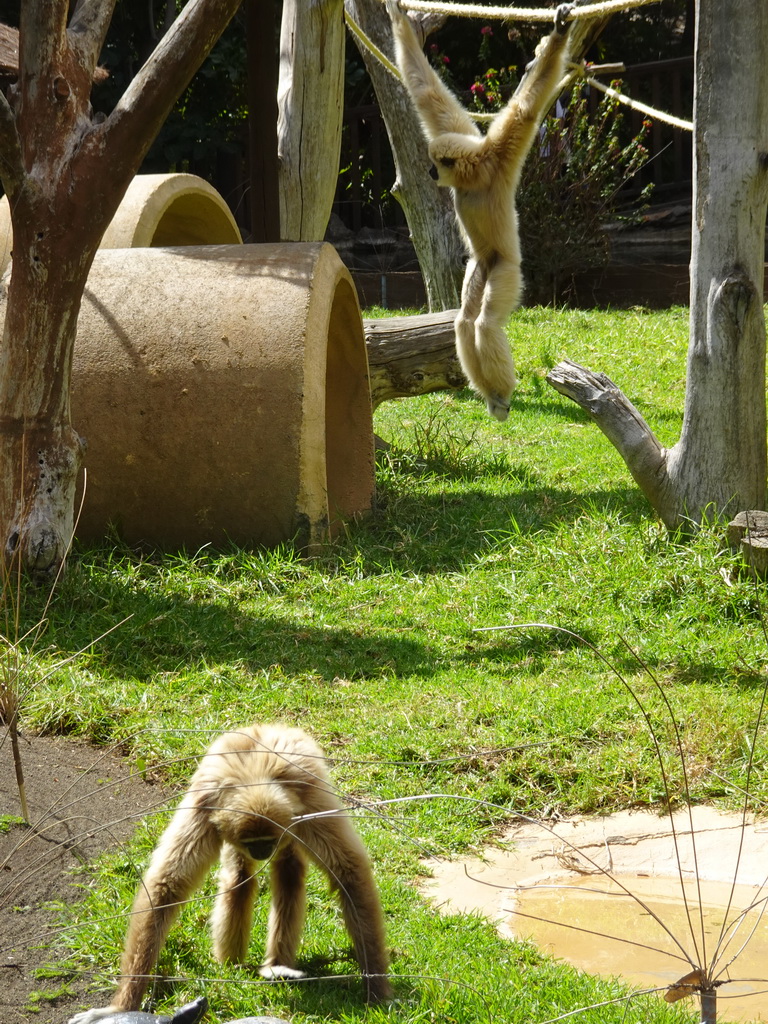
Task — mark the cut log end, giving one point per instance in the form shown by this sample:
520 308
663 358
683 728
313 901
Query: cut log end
748 531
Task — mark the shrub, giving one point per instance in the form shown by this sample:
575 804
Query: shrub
570 190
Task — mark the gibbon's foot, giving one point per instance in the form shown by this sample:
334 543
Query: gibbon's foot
561 17
275 972
92 1016
498 407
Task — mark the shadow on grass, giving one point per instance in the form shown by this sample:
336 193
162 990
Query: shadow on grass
169 632
439 532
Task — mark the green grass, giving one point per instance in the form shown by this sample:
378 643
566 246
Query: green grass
380 649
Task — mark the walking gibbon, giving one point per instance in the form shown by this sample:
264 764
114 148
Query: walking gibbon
483 171
260 793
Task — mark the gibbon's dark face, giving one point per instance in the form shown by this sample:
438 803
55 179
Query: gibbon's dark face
457 161
255 818
259 847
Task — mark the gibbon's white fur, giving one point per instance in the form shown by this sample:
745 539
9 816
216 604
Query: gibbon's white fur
483 171
259 793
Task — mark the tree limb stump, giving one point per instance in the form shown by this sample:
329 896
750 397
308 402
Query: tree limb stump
749 531
621 423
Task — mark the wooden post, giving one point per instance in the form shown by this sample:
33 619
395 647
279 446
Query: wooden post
262 120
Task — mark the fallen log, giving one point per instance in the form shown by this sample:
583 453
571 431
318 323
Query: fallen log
412 355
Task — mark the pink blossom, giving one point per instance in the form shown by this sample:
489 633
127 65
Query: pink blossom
486 30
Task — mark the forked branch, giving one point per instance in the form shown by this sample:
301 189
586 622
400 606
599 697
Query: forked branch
624 427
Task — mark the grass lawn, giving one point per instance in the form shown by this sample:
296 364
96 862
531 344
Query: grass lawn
380 649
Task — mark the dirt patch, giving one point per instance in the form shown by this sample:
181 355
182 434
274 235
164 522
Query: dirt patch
567 885
85 801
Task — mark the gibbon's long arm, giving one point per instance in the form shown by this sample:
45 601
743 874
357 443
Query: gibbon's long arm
340 852
515 127
186 852
438 109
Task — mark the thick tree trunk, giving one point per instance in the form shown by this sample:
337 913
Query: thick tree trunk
721 456
65 174
719 463
39 451
311 106
428 209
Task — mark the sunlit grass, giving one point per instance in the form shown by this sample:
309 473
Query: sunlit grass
379 647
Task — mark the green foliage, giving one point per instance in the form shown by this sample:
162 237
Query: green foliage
570 191
209 118
491 90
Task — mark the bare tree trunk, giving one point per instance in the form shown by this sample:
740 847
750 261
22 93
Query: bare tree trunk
428 209
65 174
721 456
311 105
719 463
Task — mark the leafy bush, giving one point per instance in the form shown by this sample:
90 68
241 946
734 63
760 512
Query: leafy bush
571 189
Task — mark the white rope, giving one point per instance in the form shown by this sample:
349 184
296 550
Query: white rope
521 13
577 70
369 44
656 115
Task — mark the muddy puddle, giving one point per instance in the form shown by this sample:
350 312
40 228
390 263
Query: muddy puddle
547 885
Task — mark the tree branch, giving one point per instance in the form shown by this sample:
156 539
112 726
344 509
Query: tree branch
88 29
42 31
622 424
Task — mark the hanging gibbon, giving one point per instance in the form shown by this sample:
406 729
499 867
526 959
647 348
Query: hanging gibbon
483 171
260 793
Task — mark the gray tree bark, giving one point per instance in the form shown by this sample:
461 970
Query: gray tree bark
65 173
719 463
428 209
310 107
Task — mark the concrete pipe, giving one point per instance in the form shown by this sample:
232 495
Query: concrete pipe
223 395
157 209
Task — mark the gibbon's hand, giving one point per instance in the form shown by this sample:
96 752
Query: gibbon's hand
562 14
92 1016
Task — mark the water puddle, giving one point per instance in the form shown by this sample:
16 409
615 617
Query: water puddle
548 886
